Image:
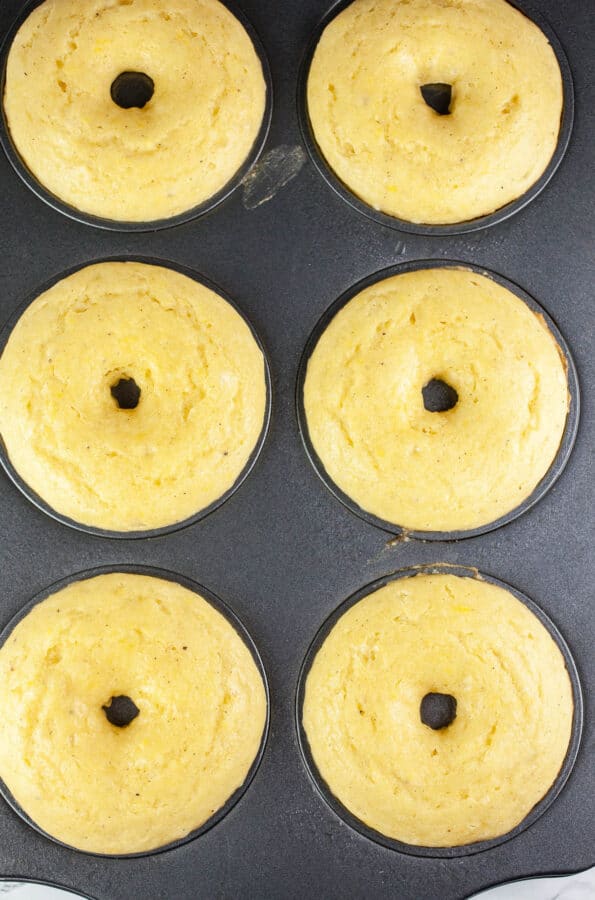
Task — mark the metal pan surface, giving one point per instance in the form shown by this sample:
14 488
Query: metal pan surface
283 549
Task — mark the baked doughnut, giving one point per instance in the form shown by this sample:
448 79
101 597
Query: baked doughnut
133 110
435 111
476 771
131 397
436 400
192 706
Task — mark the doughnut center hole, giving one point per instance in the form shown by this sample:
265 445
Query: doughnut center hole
120 711
126 393
438 96
438 711
439 396
132 90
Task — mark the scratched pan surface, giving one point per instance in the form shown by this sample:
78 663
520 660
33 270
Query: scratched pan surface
282 552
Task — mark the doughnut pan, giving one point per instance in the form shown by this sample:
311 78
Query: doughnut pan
282 552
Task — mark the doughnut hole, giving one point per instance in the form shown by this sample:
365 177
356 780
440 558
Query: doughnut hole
132 90
439 396
121 711
126 393
438 711
438 96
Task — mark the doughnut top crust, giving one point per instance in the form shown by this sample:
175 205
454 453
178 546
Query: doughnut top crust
389 145
68 416
478 777
201 713
134 164
366 390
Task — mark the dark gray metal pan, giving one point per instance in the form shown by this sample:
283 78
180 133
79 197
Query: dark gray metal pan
283 549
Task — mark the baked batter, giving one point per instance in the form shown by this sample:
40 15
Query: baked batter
201 707
456 469
473 779
111 334
139 163
399 154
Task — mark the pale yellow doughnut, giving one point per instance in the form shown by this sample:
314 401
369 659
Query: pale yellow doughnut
202 404
436 471
395 152
475 779
134 164
202 712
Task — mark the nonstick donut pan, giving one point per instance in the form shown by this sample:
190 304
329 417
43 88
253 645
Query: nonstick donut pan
283 553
